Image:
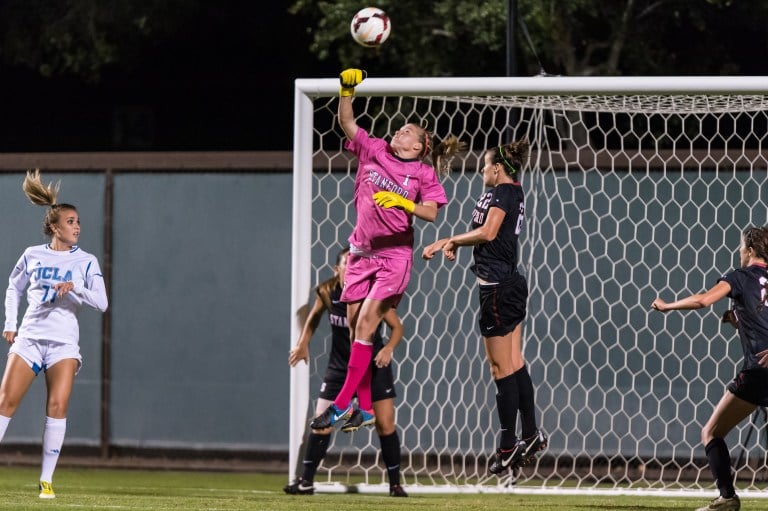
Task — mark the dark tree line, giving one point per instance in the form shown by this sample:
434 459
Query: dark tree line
194 74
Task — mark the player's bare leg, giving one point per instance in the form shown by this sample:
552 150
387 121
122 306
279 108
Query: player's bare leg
17 378
730 411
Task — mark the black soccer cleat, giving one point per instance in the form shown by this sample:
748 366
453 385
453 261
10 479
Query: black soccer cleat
533 446
358 419
330 416
397 491
506 459
299 487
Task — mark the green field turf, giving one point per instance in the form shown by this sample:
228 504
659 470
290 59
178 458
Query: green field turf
135 490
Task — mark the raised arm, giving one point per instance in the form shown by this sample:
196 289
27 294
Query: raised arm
347 117
349 78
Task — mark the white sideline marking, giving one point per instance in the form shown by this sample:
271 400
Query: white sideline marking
158 488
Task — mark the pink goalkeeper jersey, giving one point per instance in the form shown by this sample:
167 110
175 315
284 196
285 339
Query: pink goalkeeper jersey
388 232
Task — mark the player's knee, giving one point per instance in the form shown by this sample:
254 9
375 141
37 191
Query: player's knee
385 429
385 416
365 333
56 409
8 405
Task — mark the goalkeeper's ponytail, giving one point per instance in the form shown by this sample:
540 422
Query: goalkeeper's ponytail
444 152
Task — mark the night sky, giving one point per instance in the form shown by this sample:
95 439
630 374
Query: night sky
224 83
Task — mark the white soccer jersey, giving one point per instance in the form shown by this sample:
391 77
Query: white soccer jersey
50 317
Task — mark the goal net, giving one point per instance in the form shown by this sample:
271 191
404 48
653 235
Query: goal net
635 188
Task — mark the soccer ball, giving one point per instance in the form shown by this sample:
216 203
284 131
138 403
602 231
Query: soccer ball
370 26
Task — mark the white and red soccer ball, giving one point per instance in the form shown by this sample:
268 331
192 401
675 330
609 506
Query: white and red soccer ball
370 26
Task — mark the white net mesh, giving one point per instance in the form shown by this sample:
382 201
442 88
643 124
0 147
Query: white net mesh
628 198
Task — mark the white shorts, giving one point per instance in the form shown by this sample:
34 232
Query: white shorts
40 355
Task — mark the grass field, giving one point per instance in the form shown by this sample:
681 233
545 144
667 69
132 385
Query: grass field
135 490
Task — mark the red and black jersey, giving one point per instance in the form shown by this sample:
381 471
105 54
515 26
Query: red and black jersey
749 292
496 261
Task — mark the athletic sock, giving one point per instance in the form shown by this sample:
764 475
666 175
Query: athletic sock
364 401
527 402
506 406
53 439
390 453
720 465
4 421
317 446
359 362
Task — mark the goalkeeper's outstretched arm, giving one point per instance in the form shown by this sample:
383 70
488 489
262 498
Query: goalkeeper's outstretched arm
347 117
349 79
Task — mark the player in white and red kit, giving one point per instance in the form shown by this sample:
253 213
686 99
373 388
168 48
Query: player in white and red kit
59 278
392 185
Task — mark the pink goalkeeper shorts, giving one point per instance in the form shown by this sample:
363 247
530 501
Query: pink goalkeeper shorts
378 278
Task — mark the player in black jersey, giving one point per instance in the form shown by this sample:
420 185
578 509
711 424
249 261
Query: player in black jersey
328 298
747 287
496 224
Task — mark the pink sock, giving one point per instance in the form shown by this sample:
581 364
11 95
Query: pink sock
359 362
364 391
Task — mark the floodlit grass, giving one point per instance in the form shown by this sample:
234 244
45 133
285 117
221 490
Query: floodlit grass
138 490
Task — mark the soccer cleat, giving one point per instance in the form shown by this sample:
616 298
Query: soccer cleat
505 459
358 419
533 445
723 504
397 491
330 416
299 487
46 490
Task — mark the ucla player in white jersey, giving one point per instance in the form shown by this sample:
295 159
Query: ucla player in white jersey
59 277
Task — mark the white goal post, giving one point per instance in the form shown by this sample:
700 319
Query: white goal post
636 187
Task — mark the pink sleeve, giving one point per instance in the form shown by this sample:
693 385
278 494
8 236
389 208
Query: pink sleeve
363 145
432 190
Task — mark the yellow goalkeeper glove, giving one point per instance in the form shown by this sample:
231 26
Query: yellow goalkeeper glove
350 78
392 200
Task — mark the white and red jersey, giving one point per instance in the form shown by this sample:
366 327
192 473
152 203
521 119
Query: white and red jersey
50 317
388 232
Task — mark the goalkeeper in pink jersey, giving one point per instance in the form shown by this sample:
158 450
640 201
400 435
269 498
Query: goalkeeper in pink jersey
393 184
